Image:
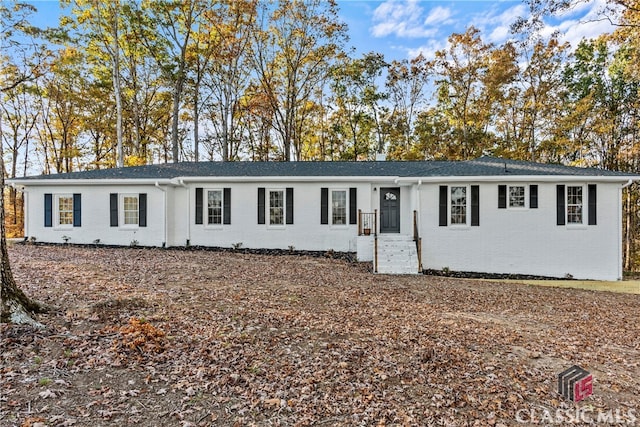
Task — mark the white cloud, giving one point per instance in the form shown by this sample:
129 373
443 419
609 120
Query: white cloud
438 16
405 19
589 25
427 49
497 23
499 34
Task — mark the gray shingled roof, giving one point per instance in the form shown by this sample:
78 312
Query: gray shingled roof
483 166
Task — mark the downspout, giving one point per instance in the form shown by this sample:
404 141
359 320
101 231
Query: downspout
165 222
182 184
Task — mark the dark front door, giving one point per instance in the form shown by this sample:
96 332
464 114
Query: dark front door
389 210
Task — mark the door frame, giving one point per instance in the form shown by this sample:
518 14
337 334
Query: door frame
396 191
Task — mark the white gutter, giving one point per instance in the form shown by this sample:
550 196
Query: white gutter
518 178
57 182
292 178
628 183
165 222
181 181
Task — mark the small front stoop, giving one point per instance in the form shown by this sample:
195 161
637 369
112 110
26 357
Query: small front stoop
397 254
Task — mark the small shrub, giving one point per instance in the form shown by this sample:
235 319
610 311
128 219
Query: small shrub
66 239
236 246
133 243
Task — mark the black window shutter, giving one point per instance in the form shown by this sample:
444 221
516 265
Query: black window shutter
113 209
199 205
324 205
77 210
142 209
48 210
261 205
502 196
592 204
289 203
443 206
560 217
533 196
226 211
475 205
353 205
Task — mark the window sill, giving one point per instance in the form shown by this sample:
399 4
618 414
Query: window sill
576 227
276 227
339 226
213 227
459 227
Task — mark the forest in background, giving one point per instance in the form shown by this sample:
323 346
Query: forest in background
134 83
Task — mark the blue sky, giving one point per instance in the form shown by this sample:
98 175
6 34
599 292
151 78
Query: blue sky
403 28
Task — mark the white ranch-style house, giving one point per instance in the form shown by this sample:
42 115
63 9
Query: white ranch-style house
487 215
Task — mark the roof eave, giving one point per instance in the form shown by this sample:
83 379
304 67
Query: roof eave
58 182
405 180
523 178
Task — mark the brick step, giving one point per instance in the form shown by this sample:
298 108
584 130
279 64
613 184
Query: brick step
397 254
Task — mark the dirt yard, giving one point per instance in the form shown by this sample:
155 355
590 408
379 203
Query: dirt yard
152 337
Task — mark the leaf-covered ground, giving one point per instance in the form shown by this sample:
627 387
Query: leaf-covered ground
153 337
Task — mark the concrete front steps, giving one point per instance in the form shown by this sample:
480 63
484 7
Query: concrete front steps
397 254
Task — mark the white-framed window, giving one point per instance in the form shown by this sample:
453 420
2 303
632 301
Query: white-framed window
64 210
214 207
575 202
339 207
130 210
517 196
276 207
458 205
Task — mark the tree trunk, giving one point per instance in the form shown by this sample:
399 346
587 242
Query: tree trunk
15 306
117 89
196 124
175 120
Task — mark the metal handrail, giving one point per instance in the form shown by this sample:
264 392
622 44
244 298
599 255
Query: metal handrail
367 223
417 239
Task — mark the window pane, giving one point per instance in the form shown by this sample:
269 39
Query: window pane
130 205
458 205
339 207
214 207
574 205
65 210
276 207
516 197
